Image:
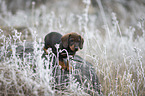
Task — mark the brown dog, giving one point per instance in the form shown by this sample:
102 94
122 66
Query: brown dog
72 42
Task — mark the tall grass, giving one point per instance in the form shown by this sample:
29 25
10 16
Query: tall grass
115 50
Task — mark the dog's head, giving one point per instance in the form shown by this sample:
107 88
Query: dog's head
72 40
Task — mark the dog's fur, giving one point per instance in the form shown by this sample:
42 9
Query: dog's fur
72 42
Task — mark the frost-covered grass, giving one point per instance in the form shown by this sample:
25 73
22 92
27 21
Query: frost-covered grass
17 73
116 51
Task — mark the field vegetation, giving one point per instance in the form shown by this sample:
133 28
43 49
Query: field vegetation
114 34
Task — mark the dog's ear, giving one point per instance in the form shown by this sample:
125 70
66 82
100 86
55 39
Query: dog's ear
81 42
65 40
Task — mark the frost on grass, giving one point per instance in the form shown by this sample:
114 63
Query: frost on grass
25 72
115 48
17 69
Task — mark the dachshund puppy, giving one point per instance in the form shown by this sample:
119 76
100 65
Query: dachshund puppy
72 42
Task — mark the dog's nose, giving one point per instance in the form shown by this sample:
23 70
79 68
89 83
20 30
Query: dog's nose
76 48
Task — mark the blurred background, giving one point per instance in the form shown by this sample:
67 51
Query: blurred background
25 12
